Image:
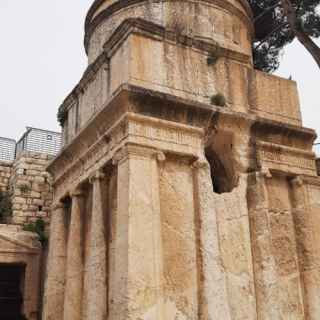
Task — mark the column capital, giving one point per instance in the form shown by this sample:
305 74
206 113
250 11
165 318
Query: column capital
77 192
98 175
266 173
200 164
137 151
58 206
160 156
297 181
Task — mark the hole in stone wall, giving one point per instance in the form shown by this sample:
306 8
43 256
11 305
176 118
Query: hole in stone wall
219 154
40 208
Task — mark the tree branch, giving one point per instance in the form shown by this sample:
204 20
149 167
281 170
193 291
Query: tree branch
304 39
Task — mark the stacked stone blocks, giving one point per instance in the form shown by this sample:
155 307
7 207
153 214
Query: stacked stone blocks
5 174
29 185
31 189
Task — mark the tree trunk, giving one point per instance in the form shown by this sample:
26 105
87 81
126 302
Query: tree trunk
304 39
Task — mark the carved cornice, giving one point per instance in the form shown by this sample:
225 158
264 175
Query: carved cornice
92 22
87 77
149 29
132 116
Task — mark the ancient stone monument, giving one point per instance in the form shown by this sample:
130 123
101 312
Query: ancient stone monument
187 187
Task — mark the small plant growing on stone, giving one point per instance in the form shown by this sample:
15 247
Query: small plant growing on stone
5 206
24 188
214 56
62 117
37 227
219 100
212 60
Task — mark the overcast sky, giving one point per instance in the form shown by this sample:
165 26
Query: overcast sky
42 58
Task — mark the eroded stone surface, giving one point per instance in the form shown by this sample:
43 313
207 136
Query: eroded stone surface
199 212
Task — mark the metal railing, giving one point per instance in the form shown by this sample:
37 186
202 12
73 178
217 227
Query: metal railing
39 141
33 140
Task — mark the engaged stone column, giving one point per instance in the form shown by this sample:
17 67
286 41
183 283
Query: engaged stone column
306 225
74 273
55 284
265 270
213 291
97 260
136 276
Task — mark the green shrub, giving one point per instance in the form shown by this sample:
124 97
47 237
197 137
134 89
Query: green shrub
37 227
5 206
24 188
219 100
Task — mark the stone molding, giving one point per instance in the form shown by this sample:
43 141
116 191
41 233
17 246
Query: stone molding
97 176
137 151
20 247
148 29
132 135
275 156
92 23
95 145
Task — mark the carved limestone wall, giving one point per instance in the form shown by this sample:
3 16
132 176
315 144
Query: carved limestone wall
177 66
167 206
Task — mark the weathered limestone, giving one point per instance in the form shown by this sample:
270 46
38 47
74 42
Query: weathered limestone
53 305
191 210
308 247
74 263
213 289
97 261
137 289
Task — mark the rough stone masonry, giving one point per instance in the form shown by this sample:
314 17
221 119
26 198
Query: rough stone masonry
167 204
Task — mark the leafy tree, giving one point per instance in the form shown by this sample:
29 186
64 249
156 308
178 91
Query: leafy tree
279 22
5 205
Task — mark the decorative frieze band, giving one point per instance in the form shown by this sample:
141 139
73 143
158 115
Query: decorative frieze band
133 135
275 157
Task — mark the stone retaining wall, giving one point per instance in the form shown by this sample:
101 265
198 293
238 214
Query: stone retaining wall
31 188
29 185
5 174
